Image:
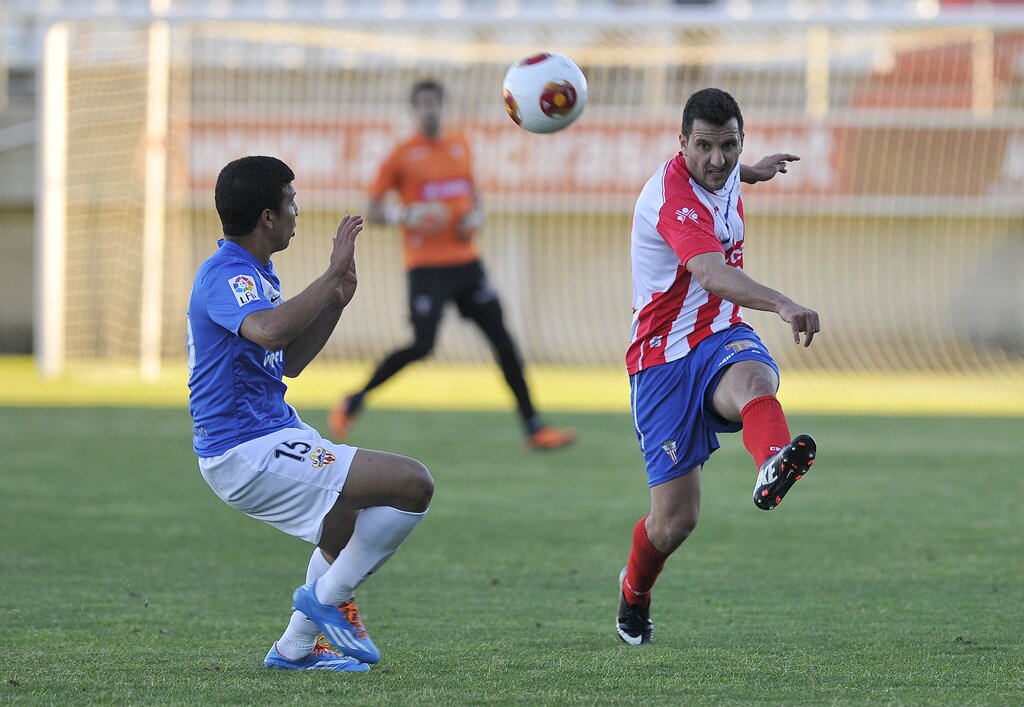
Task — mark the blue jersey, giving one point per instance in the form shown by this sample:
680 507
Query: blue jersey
236 389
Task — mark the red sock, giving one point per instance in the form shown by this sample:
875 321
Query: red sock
765 431
645 564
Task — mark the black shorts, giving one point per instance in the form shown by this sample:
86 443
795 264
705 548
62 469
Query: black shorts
465 285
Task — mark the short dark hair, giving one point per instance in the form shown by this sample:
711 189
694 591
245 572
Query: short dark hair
426 85
246 187
712 105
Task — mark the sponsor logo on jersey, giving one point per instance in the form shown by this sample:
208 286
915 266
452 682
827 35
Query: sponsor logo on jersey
273 358
670 449
686 213
321 458
655 342
446 189
244 289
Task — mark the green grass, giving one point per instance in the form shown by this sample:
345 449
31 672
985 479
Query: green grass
892 574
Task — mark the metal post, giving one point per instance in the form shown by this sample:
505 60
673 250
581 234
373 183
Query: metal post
154 210
51 191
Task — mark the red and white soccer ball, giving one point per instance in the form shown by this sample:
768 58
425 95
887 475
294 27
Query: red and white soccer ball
545 92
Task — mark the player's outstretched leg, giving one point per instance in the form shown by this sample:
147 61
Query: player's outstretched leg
341 418
634 624
341 624
778 474
323 657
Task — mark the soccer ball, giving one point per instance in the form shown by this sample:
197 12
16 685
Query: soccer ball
545 92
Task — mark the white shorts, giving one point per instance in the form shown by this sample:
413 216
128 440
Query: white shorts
290 478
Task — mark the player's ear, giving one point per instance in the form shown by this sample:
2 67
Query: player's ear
267 218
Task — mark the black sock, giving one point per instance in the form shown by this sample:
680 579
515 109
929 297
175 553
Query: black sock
355 402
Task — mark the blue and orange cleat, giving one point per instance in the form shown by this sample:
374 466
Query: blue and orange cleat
341 624
323 657
777 475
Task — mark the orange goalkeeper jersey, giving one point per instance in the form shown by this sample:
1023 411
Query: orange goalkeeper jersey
424 170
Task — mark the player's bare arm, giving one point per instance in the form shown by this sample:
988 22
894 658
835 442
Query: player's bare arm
347 289
300 352
739 288
766 168
275 328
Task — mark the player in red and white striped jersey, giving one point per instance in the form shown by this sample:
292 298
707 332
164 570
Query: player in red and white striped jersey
696 369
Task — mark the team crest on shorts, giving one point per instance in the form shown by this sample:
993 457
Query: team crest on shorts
321 458
669 448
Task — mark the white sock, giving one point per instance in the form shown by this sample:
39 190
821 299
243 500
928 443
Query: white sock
378 533
299 638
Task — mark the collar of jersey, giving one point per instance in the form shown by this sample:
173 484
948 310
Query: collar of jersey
227 246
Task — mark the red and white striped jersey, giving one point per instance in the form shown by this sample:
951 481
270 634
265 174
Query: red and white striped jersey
675 219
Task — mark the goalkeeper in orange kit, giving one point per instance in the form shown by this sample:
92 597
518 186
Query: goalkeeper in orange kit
440 213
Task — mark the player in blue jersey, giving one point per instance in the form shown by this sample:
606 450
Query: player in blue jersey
355 505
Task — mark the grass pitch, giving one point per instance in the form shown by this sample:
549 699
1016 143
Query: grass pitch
894 573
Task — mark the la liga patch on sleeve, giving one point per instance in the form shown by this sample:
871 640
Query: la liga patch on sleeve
244 289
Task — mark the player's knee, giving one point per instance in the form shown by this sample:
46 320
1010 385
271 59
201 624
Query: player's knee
761 387
761 380
418 487
685 527
670 533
